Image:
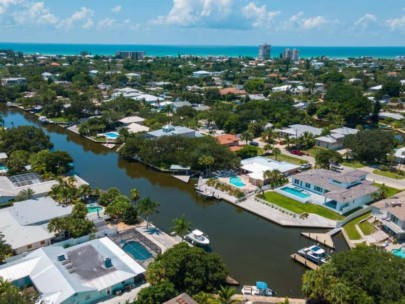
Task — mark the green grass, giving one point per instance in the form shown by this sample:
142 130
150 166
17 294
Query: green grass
314 150
388 174
298 207
350 227
390 190
353 164
288 158
367 228
60 120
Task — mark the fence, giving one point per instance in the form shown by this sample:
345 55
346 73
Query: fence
134 234
353 216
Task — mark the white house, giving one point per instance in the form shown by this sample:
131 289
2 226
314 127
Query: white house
24 225
7 82
334 141
341 192
199 74
170 130
394 116
90 272
297 130
133 76
255 167
46 75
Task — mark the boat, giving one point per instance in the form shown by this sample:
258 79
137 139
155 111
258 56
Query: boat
206 194
43 119
197 237
314 253
260 289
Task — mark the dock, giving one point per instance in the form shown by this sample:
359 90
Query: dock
321 238
304 261
183 178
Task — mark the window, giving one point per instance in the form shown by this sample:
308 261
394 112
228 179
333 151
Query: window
318 189
296 181
29 246
394 219
337 182
307 185
42 242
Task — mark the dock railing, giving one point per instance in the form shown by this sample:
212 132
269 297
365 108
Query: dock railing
277 207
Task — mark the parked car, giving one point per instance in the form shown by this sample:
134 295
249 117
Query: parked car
305 166
254 143
336 167
297 152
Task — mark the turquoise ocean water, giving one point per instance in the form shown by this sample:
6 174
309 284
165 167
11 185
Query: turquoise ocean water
201 50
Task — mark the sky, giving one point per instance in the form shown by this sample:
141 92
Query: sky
205 22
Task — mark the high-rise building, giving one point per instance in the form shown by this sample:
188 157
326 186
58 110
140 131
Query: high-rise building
293 55
264 51
130 55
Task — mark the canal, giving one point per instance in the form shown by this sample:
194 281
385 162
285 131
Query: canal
253 248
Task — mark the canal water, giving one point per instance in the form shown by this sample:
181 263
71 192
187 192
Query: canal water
254 249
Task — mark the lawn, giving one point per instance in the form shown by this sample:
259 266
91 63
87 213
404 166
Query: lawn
350 227
353 164
299 207
367 228
388 174
390 191
288 158
60 120
313 151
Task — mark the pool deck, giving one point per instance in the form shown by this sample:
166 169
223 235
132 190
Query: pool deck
160 238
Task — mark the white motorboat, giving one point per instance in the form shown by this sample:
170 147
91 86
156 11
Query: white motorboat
43 119
261 289
197 237
314 253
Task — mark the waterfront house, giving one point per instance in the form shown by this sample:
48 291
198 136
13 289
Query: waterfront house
390 213
297 130
11 186
254 168
334 141
341 192
24 225
229 140
90 272
8 82
170 130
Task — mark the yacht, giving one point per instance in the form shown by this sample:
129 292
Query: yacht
314 253
261 289
197 237
43 119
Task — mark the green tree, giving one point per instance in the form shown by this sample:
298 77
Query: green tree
324 158
276 152
147 207
58 162
247 151
181 226
206 161
118 207
134 194
5 249
246 136
109 196
9 294
190 269
156 294
25 194
17 161
225 295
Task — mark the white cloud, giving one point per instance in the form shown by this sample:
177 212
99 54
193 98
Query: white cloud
106 23
116 9
5 4
396 23
366 20
83 17
298 21
259 14
34 13
196 12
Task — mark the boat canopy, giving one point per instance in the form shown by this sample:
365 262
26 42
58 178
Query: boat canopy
197 232
261 285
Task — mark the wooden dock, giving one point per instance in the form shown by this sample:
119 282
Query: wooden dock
321 238
183 178
304 261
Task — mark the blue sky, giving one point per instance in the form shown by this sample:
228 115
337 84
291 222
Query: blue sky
215 22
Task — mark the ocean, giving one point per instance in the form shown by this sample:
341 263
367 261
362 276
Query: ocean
202 50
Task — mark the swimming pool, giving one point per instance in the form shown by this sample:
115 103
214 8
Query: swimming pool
93 208
137 251
399 252
295 192
236 181
113 135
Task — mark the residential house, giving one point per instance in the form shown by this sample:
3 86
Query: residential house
229 140
46 76
8 82
297 130
254 168
341 192
170 130
233 91
334 141
90 272
181 299
25 224
199 74
394 116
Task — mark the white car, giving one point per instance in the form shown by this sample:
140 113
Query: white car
336 166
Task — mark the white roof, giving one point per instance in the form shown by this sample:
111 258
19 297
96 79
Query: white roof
148 98
57 284
132 119
376 88
137 128
395 116
3 155
258 165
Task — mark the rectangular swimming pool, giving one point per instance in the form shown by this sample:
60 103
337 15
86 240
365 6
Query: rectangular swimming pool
236 181
113 135
295 192
137 250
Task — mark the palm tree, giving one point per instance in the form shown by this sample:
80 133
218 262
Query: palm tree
267 148
246 136
225 295
276 152
207 161
181 226
25 194
147 207
134 194
382 193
